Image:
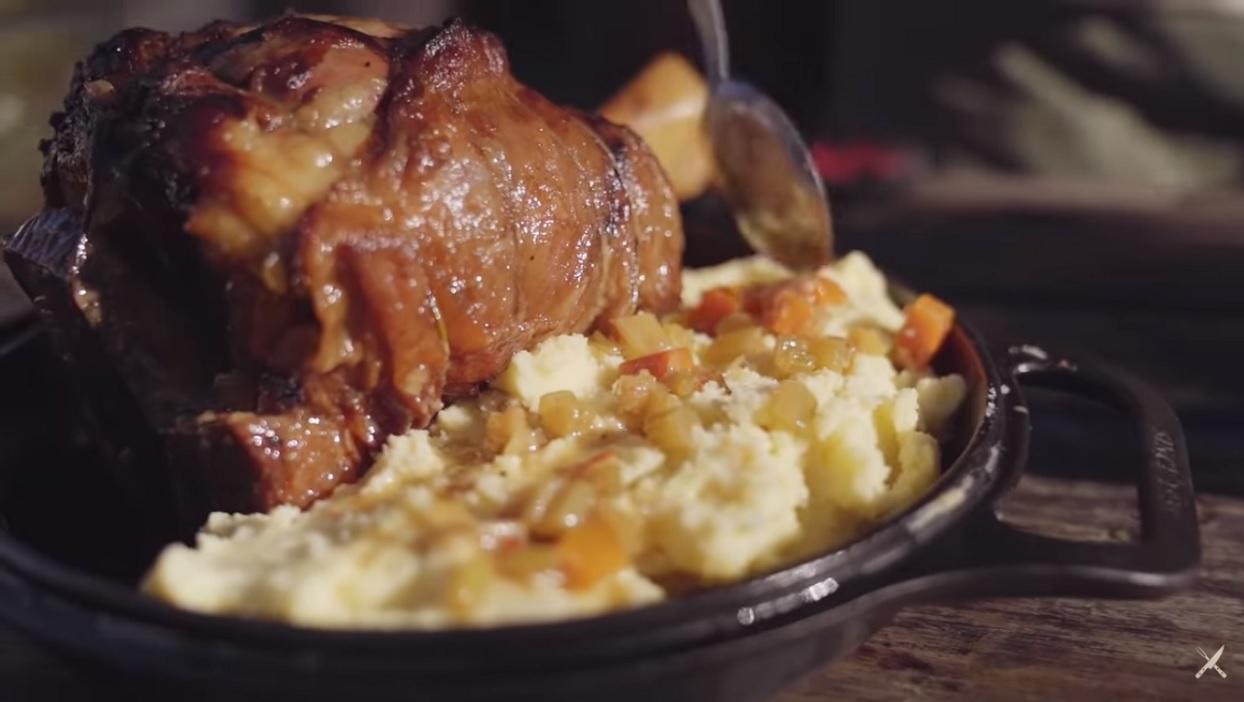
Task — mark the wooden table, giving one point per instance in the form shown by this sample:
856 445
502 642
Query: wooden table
1016 649
1062 648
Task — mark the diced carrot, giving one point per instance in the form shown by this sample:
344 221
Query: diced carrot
789 307
590 552
661 364
715 305
826 292
789 314
928 322
757 298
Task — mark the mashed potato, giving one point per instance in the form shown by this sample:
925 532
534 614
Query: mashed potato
608 472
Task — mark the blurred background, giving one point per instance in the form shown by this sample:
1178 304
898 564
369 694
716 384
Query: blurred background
1069 172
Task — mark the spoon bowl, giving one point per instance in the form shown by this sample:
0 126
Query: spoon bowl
764 167
768 177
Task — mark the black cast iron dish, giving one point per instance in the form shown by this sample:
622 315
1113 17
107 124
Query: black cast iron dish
66 532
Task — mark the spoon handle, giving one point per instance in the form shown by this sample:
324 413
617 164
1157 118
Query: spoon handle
711 25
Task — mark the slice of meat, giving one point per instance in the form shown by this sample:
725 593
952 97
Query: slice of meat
294 239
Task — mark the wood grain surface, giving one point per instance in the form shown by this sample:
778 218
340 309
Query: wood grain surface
1004 649
1063 648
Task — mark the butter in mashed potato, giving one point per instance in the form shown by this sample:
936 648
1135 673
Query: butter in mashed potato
575 485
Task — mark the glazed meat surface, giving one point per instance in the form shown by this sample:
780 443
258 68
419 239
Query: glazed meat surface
293 240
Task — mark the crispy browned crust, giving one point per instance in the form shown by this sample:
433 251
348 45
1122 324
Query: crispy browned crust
450 217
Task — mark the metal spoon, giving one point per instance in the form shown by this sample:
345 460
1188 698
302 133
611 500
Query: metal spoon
763 164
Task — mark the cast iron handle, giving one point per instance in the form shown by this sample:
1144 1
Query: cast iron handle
1169 550
999 559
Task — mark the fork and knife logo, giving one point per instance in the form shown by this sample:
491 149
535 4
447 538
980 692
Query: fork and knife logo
1211 662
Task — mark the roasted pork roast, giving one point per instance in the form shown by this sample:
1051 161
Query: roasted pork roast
281 243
